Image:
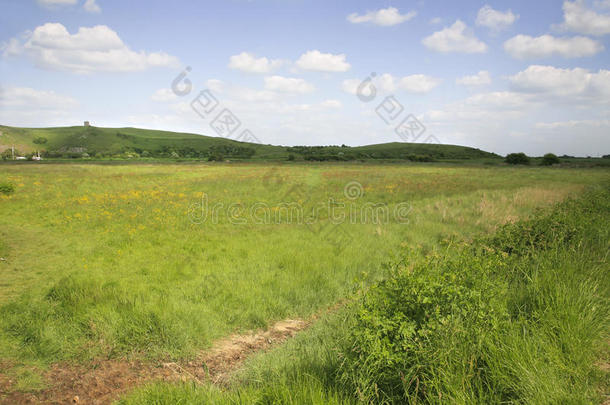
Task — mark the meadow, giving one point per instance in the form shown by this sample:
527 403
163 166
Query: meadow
130 261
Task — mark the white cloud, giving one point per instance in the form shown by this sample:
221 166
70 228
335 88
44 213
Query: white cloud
248 62
163 95
215 85
331 104
573 124
457 38
480 79
53 3
92 7
578 18
25 106
494 19
526 47
27 97
91 49
386 83
350 86
287 85
572 84
384 17
602 3
418 83
323 62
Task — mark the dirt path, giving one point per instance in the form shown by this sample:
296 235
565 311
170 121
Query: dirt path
104 381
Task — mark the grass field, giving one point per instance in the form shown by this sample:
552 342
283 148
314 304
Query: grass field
117 260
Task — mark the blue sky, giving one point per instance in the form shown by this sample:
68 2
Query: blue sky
503 76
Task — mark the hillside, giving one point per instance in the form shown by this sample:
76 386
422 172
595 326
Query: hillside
79 141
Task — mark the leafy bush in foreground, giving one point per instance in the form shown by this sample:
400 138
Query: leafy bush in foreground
516 318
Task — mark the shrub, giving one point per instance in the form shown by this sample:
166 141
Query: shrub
549 159
7 188
291 157
419 314
40 140
517 159
480 322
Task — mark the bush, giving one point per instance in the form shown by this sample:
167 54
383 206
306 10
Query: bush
7 188
291 157
549 159
514 318
517 159
40 140
417 315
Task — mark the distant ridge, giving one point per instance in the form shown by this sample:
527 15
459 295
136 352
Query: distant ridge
91 141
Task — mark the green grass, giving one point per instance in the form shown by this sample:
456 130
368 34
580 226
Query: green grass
521 317
104 260
119 141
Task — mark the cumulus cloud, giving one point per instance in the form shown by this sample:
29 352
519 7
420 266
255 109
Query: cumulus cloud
287 85
553 83
25 106
331 104
384 17
53 3
457 38
573 124
544 46
28 97
578 18
323 62
418 83
350 86
248 62
494 19
163 95
480 79
90 49
386 83
602 3
92 7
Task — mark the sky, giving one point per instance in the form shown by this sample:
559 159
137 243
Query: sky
502 76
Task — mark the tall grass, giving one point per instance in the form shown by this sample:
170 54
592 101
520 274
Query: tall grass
103 261
522 316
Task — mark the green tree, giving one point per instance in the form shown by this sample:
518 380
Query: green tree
517 159
549 159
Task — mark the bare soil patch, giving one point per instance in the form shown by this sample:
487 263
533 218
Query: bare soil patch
103 381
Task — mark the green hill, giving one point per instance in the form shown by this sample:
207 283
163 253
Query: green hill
81 141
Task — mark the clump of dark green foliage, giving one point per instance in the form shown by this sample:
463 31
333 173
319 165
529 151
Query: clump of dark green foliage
515 318
549 159
6 188
40 140
517 159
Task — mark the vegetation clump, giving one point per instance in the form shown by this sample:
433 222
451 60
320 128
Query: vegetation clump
6 188
549 159
517 159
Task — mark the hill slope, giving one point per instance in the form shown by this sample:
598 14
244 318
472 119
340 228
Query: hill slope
105 142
